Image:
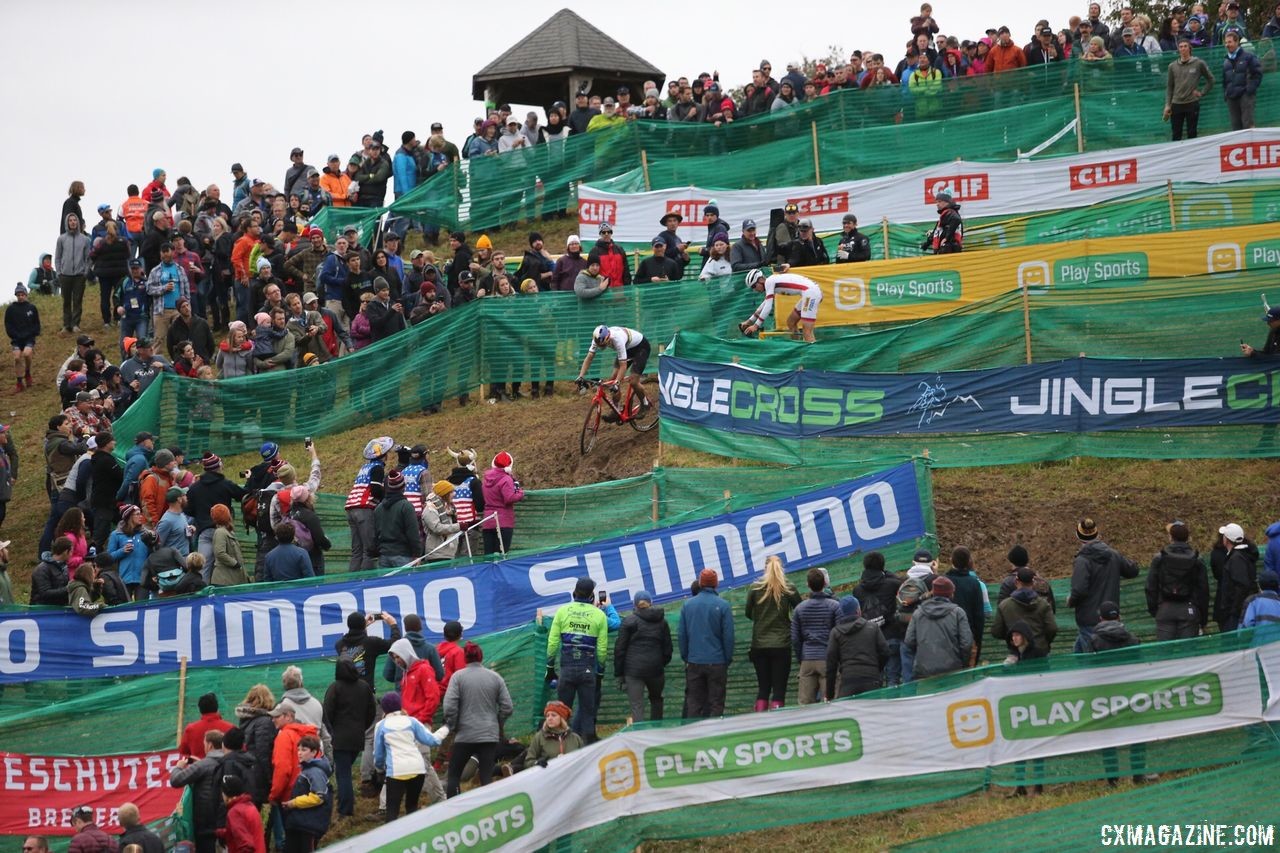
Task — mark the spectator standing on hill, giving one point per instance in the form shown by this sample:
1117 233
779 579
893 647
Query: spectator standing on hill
969 594
89 837
641 653
402 749
476 705
1264 608
1095 578
947 236
420 696
1182 90
1177 587
204 777
856 653
877 594
771 601
1024 606
1241 77
1019 558
1110 632
939 636
135 832
365 494
22 325
501 494
811 625
210 721
706 647
348 713
1234 562
579 640
71 259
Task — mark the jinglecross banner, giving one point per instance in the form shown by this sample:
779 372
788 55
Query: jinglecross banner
1075 395
299 622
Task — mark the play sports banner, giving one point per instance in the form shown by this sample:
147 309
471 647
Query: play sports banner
916 288
1074 395
301 621
990 722
40 791
982 189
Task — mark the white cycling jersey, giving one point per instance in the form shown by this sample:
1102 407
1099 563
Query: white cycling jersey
789 283
621 339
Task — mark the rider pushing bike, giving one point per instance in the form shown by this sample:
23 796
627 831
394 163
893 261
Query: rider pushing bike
802 317
630 348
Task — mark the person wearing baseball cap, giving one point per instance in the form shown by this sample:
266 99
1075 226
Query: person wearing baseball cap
748 252
947 236
658 267
706 647
1272 318
1178 587
1095 578
1234 561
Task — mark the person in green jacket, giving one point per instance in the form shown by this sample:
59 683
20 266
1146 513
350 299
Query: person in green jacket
580 637
396 524
769 604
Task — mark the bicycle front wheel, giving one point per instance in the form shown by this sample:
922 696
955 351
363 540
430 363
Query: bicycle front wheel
591 427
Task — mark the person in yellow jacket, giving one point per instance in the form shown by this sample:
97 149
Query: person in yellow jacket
580 636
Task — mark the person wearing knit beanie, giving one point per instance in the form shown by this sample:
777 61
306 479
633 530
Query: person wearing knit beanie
554 738
395 524
943 587
706 646
287 474
856 652
939 635
210 461
440 522
501 494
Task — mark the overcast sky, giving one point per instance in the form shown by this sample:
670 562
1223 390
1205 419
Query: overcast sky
106 92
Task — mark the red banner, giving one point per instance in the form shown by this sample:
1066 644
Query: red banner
41 790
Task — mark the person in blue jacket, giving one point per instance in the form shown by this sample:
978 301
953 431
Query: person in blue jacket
287 561
1241 77
706 647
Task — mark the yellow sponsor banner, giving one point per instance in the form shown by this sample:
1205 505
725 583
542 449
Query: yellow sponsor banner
918 288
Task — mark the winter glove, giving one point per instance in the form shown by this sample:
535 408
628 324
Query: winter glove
551 674
441 733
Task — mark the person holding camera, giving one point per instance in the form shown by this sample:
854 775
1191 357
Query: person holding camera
579 637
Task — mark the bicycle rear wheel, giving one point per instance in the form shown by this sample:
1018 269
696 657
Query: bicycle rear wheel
645 419
591 427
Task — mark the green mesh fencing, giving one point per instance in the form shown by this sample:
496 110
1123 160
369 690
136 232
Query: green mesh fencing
860 133
1196 316
1221 796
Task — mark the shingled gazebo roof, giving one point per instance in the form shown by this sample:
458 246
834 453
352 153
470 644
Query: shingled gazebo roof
538 68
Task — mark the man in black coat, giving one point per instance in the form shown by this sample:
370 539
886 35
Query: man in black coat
641 654
349 711
136 832
209 489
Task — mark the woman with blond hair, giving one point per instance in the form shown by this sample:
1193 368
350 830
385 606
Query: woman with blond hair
769 604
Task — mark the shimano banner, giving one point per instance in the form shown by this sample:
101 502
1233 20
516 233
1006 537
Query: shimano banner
298 622
1076 395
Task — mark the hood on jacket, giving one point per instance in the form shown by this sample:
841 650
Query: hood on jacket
920 570
320 763
935 608
248 712
851 625
300 697
404 649
1021 626
494 475
66 220
1096 551
1112 629
1025 596
872 580
345 670
1273 531
651 614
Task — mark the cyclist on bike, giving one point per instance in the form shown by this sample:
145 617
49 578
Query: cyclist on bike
630 348
805 312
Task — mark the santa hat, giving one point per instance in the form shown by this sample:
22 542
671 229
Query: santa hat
503 460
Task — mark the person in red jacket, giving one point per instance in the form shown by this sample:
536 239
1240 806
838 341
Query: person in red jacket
210 721
451 653
243 830
285 765
613 260
419 690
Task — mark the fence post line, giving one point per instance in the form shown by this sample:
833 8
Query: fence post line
884 235
1026 319
182 696
817 166
644 167
1173 209
1079 121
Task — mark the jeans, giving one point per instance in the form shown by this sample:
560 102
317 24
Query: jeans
813 681
908 665
364 539
72 299
485 754
408 790
893 666
773 671
343 759
1082 639
204 544
241 290
706 686
637 687
133 327
578 680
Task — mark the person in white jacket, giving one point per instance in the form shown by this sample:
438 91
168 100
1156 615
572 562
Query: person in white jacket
396 754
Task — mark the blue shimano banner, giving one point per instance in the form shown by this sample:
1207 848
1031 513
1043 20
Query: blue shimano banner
1076 395
302 621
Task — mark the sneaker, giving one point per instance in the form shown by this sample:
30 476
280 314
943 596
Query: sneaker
471 769
548 389
19 389
534 393
75 329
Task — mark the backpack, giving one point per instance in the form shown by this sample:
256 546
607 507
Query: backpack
302 534
256 507
873 609
1177 576
170 578
133 495
909 596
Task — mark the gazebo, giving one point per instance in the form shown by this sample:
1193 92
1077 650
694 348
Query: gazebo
561 56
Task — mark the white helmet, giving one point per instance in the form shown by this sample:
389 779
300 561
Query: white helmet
755 277
601 334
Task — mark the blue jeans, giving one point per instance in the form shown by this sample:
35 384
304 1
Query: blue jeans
908 665
133 327
580 681
1082 639
343 759
893 666
241 290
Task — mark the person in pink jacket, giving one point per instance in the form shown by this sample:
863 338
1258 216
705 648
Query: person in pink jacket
501 494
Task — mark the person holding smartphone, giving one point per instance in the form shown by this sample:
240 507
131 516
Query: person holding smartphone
579 638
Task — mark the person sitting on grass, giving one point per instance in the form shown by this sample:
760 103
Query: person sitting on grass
555 738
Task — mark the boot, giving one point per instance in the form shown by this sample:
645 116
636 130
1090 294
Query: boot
1019 791
1037 790
762 705
533 390
19 388
775 704
548 388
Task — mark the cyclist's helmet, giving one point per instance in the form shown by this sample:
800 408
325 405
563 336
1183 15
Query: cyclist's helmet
269 450
601 334
755 277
